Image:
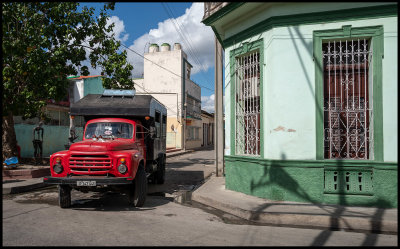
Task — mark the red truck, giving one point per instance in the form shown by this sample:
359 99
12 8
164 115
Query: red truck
123 146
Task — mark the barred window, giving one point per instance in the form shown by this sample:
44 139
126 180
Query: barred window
247 80
347 95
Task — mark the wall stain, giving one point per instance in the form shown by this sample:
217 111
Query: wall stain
281 128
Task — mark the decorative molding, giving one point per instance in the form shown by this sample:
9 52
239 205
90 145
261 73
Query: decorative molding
310 18
213 17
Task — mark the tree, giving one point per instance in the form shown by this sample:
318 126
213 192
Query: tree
43 43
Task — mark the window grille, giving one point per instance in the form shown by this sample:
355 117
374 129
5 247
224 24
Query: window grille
347 109
247 80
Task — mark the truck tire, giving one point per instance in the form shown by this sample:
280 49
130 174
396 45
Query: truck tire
160 173
138 190
64 196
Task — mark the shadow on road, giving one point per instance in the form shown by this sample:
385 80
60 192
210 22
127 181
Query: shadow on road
111 201
189 162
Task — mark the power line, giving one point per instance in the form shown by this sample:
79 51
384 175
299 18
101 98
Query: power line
165 105
189 42
161 66
144 89
178 27
188 37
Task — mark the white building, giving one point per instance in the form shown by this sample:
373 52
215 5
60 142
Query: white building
167 78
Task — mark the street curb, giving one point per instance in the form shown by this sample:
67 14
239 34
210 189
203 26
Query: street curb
25 173
23 188
301 220
180 153
321 221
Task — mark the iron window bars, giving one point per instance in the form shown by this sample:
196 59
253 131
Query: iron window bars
347 108
247 80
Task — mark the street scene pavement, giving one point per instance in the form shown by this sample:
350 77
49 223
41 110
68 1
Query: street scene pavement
171 216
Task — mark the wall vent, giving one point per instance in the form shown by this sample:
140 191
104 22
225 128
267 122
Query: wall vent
354 182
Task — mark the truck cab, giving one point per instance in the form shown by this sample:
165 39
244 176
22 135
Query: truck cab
118 152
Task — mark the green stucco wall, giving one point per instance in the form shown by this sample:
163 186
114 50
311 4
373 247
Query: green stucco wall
290 113
304 182
54 138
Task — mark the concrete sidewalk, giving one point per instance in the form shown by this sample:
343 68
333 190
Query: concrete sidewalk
293 214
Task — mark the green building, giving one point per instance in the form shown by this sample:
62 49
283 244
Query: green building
310 100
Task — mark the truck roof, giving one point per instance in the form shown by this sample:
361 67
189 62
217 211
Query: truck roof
103 105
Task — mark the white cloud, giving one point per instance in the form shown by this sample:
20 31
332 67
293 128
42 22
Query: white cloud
207 103
200 50
119 28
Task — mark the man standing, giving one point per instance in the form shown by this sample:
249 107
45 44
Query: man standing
38 141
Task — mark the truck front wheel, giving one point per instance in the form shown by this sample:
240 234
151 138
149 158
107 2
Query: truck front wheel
138 190
64 196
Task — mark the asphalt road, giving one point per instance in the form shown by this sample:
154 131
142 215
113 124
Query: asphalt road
105 219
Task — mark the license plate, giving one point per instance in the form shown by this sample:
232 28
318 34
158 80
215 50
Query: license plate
86 183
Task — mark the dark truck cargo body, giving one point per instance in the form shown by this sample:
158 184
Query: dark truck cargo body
137 107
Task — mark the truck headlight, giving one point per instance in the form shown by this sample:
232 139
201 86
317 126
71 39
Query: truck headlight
122 168
57 166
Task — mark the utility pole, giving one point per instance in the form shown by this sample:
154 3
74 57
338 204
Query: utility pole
184 123
219 114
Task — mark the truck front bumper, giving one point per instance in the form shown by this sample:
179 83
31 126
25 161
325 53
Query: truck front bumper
87 181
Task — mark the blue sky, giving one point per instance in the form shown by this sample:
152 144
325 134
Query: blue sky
137 24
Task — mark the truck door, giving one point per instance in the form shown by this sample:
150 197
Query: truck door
140 139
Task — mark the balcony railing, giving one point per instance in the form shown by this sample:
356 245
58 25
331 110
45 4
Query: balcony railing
212 7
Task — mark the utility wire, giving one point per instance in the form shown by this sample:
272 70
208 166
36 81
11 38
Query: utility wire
188 40
181 33
179 29
162 66
142 87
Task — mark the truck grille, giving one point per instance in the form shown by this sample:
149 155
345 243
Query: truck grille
90 164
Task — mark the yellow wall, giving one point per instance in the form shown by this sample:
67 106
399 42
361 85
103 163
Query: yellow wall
174 137
194 143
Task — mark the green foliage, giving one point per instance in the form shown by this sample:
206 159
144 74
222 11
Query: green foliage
44 42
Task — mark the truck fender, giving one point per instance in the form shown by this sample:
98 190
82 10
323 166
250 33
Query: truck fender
137 160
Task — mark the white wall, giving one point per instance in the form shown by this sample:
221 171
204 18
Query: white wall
164 80
78 90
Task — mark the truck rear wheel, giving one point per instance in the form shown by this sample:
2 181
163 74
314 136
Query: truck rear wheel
64 196
160 173
138 190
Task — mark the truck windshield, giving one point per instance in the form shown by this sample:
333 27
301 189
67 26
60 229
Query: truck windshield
109 129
